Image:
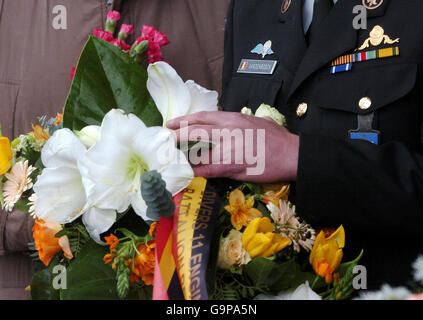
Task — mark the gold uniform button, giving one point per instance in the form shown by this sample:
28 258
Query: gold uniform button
365 103
302 109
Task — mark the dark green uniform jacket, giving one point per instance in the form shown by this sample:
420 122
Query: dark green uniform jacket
375 191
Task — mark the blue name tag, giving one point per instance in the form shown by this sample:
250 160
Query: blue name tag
372 137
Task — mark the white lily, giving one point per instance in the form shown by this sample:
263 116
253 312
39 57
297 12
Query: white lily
173 97
59 190
303 292
113 167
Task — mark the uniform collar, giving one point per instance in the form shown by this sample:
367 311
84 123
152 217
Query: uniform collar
308 13
335 38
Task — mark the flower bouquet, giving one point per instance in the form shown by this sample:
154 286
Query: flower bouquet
118 211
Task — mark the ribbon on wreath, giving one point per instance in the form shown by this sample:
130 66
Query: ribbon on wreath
189 234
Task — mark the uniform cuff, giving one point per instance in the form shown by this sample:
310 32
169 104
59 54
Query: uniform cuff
316 187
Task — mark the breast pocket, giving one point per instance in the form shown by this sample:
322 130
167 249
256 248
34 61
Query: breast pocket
382 85
382 90
249 91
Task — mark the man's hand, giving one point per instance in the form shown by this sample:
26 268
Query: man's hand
260 150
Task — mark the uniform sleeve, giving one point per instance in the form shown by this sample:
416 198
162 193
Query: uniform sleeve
372 188
15 231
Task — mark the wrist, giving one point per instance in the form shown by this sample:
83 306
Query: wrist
290 162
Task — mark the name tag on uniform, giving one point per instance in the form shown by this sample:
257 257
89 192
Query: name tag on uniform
257 66
365 131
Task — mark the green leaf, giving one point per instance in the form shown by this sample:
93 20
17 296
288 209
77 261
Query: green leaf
22 205
275 276
343 268
88 278
107 78
40 285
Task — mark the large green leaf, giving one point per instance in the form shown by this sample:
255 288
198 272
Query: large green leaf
88 278
275 277
107 78
40 285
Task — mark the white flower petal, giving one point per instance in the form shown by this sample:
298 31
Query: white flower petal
168 90
98 221
120 126
60 195
112 168
62 149
303 292
104 176
177 176
139 206
201 98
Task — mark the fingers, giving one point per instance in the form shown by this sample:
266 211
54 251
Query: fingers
196 133
218 171
209 171
204 118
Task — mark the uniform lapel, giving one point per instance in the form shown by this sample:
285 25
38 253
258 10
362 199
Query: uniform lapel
336 36
292 35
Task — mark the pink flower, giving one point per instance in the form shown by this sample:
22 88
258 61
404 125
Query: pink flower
154 35
113 16
127 29
105 35
120 44
72 74
156 40
154 53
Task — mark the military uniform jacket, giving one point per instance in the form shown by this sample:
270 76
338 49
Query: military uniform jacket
375 191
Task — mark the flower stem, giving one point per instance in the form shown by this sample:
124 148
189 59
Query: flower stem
315 282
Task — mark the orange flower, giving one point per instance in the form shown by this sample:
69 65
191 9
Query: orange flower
40 135
59 119
108 258
112 241
241 210
47 244
153 228
143 266
275 192
327 253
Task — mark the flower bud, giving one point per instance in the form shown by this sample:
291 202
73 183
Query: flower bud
125 31
112 18
141 47
89 135
247 111
266 111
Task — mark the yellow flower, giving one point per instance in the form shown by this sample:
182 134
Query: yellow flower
275 192
5 155
39 134
327 254
260 241
241 210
